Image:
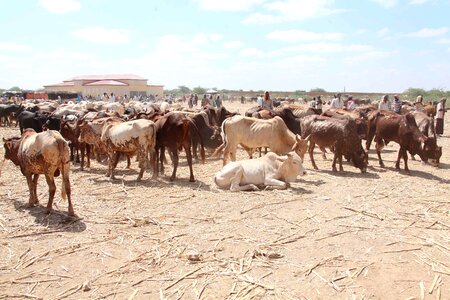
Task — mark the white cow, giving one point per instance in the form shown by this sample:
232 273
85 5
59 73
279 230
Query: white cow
252 133
270 170
129 137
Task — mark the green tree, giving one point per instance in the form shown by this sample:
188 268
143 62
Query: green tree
184 89
412 93
317 90
199 90
15 88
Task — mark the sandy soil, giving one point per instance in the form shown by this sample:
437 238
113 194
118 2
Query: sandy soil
380 235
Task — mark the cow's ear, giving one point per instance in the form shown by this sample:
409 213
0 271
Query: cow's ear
4 140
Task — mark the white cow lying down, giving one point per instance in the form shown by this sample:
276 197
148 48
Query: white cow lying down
270 170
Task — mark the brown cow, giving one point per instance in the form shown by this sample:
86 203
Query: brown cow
71 132
388 126
339 134
426 126
41 153
173 132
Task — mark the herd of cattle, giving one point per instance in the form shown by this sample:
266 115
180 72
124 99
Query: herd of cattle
54 134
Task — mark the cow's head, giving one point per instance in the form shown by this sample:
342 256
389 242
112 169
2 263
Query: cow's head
216 138
360 160
11 146
429 149
301 145
291 166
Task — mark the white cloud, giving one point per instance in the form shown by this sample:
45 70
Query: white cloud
292 10
386 3
252 52
295 35
60 6
9 46
233 44
429 32
444 41
102 35
328 48
204 38
418 2
228 5
369 55
383 32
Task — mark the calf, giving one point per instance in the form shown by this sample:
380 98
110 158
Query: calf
173 131
402 129
425 124
71 132
41 153
129 137
209 135
340 134
270 170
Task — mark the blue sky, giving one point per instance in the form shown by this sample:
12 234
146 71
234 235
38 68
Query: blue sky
371 45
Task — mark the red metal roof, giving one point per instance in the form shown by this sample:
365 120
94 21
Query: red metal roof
65 83
109 77
106 82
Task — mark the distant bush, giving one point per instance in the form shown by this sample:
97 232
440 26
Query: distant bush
317 90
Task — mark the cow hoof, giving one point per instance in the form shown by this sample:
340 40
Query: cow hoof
191 180
48 211
397 167
172 178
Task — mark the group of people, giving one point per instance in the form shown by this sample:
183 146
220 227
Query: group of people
264 101
385 104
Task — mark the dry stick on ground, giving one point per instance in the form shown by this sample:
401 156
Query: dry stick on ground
322 263
270 204
182 277
403 250
69 292
363 212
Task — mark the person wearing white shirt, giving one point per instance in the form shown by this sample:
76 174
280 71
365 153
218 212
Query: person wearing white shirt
337 103
385 104
440 112
260 101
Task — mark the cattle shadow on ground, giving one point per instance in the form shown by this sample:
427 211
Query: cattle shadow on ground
418 173
444 166
299 190
367 175
56 220
318 182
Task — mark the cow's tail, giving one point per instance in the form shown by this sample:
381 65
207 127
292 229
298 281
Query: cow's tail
224 139
202 149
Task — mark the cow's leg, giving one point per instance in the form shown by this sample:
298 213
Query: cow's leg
161 158
194 149
88 155
187 149
311 154
77 149
339 153
379 147
83 155
333 165
71 152
67 189
51 192
370 136
324 151
154 162
226 152
142 156
129 160
30 189
399 156
112 163
35 182
236 180
405 159
175 163
275 183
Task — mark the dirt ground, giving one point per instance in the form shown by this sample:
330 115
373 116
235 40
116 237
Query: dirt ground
379 235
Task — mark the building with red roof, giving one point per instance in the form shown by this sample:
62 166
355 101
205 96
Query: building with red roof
119 84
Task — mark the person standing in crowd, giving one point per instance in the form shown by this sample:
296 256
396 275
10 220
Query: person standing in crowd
218 101
318 104
190 101
385 104
350 103
260 101
440 112
268 104
204 100
195 100
112 98
212 101
337 103
419 103
397 104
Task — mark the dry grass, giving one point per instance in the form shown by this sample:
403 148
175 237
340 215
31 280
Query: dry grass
380 235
